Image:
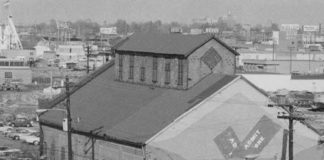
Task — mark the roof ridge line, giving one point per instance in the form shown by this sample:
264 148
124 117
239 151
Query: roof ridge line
206 41
226 46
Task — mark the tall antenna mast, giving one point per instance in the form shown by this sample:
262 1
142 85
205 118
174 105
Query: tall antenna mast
11 35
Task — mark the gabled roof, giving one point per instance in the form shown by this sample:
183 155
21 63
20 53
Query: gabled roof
29 41
127 112
158 43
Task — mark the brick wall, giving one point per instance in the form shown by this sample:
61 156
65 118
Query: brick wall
194 69
198 69
56 147
144 60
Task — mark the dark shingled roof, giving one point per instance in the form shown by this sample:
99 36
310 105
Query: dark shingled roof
175 44
128 112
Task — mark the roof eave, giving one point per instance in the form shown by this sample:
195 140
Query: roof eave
89 134
226 46
219 41
144 52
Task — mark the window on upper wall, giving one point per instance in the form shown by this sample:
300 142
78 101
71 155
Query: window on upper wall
131 67
120 63
167 72
155 70
142 74
180 72
8 74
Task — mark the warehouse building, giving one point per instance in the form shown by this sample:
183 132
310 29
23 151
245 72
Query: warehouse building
186 104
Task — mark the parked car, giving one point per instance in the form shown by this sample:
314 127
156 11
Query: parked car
33 138
7 131
15 135
8 153
4 129
21 122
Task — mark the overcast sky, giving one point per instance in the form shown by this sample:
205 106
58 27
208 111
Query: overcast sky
245 11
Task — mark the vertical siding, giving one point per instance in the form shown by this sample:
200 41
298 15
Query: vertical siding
104 150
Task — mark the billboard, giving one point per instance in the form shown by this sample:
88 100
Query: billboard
62 25
287 27
108 30
211 30
196 31
311 28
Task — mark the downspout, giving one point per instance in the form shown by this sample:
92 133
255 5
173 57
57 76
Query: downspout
235 56
144 152
187 79
41 145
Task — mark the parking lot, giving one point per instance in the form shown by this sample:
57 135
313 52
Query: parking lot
29 150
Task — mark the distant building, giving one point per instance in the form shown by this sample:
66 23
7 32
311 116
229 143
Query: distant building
284 66
15 71
288 42
176 30
205 20
25 55
228 19
286 81
70 53
195 31
259 66
291 30
42 47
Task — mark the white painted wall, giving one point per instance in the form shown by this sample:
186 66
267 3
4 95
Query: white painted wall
239 106
273 82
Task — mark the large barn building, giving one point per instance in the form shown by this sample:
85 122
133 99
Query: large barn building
170 97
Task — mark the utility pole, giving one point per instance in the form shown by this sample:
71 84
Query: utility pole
284 144
290 59
309 61
69 119
291 117
88 55
273 52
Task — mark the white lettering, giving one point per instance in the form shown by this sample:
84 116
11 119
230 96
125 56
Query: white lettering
252 139
259 142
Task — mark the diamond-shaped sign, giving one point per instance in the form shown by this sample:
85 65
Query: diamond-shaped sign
258 137
211 58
